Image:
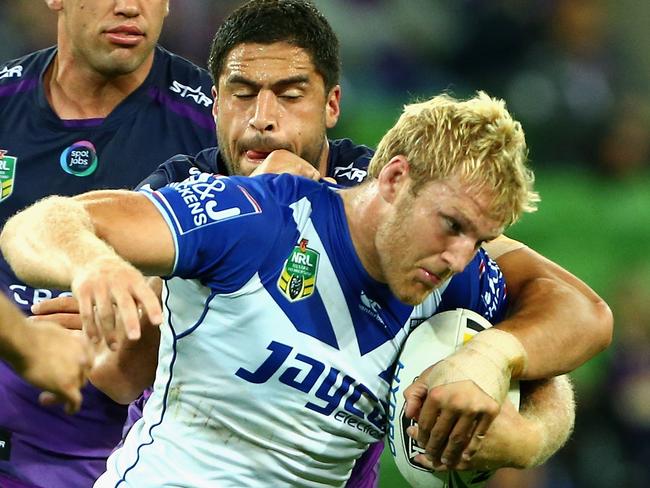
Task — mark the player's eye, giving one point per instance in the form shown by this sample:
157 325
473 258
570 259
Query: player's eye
453 226
293 94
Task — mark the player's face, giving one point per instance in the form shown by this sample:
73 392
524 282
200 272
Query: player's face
111 37
429 237
269 96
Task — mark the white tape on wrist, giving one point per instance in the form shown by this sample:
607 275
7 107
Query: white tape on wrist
488 360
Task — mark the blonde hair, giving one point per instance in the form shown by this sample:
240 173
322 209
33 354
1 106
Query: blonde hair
475 138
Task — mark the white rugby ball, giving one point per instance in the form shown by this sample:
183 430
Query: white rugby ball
432 340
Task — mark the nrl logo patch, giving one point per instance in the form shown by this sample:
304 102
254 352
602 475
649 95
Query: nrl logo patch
298 278
7 174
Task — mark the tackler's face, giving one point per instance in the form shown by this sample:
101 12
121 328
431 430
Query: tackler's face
268 97
429 237
110 37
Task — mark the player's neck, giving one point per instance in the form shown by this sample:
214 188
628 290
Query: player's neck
324 157
361 210
76 92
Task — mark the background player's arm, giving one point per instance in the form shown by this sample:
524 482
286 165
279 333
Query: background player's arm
86 243
550 310
124 373
529 437
46 355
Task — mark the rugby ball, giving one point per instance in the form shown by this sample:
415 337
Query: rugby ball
432 340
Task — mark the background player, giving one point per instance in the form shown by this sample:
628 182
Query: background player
99 110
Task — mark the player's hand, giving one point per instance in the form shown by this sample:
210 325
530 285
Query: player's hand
57 361
63 309
506 444
109 287
452 418
283 161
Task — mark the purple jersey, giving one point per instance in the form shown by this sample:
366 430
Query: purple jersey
41 155
480 287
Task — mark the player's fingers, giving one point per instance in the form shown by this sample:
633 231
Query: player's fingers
87 316
60 304
47 399
105 315
86 361
72 400
147 299
480 430
70 321
127 311
429 411
426 462
438 435
414 397
459 438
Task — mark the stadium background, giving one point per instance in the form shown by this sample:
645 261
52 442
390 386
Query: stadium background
577 74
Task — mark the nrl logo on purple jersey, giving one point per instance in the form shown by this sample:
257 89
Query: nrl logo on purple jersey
7 174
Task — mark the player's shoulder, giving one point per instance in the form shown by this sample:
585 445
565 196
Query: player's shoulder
180 167
348 161
26 69
181 78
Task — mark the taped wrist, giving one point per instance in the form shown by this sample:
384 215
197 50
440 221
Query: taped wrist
488 360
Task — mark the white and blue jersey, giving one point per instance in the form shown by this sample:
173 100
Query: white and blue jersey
277 348
41 155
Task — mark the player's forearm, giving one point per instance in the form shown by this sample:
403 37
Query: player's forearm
551 310
47 242
549 407
529 437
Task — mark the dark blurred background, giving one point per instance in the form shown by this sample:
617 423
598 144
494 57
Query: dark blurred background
576 73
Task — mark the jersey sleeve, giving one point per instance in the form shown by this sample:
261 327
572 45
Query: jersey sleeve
480 287
219 228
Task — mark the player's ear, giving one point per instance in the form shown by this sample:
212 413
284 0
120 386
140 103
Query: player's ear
215 107
333 107
54 5
392 177
166 8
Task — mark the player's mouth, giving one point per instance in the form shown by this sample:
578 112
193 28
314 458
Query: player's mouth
427 277
256 157
125 35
